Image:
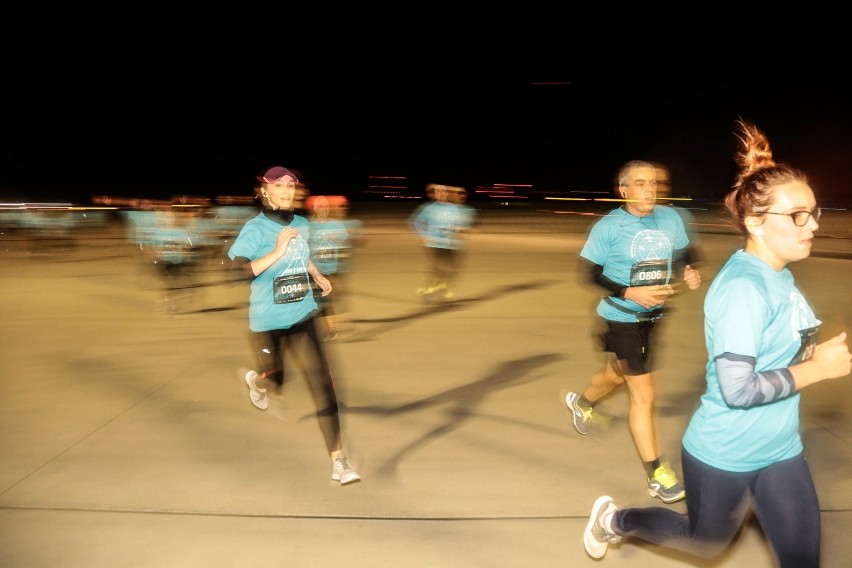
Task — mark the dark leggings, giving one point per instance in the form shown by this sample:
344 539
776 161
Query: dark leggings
445 263
335 303
269 348
781 495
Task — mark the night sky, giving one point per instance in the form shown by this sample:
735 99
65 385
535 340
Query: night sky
147 129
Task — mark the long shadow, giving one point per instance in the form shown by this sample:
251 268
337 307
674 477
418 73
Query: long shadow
461 402
437 308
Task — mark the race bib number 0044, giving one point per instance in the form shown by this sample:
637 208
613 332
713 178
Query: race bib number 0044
290 288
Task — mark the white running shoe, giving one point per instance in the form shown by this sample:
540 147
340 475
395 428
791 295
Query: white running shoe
341 471
598 535
257 396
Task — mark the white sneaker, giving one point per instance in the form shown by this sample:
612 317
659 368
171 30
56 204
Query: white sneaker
257 396
341 471
598 535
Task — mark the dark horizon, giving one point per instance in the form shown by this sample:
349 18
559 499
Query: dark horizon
558 135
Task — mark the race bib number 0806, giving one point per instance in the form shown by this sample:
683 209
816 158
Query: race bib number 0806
649 273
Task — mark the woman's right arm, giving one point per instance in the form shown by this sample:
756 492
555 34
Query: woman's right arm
831 360
743 387
261 264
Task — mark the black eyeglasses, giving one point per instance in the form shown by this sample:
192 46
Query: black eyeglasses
800 218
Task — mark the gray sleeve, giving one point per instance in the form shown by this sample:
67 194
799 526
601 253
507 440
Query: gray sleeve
743 387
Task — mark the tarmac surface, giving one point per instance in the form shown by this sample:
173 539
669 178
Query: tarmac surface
127 438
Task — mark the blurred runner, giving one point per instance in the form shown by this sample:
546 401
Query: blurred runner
272 250
175 250
665 196
439 223
331 248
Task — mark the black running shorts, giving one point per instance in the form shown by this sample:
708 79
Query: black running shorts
632 344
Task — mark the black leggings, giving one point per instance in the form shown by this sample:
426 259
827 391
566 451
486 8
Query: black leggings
781 495
445 263
269 348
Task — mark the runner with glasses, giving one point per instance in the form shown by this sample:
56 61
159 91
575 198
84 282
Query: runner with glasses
800 218
742 449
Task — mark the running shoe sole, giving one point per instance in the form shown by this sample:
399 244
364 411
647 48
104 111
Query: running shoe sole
664 498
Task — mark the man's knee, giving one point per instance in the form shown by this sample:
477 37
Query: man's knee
641 390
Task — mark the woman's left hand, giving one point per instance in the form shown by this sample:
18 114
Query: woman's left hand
323 283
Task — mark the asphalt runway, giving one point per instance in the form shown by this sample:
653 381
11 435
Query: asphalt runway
127 438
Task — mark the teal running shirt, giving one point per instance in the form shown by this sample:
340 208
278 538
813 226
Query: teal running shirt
753 311
281 296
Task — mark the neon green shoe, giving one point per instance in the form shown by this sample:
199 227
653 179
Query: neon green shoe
665 485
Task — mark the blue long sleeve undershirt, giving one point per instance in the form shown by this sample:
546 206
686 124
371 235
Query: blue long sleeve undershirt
742 386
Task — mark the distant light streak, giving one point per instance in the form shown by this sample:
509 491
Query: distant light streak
582 213
36 205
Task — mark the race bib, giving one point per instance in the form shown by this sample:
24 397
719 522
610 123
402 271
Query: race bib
327 254
806 349
649 273
290 288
